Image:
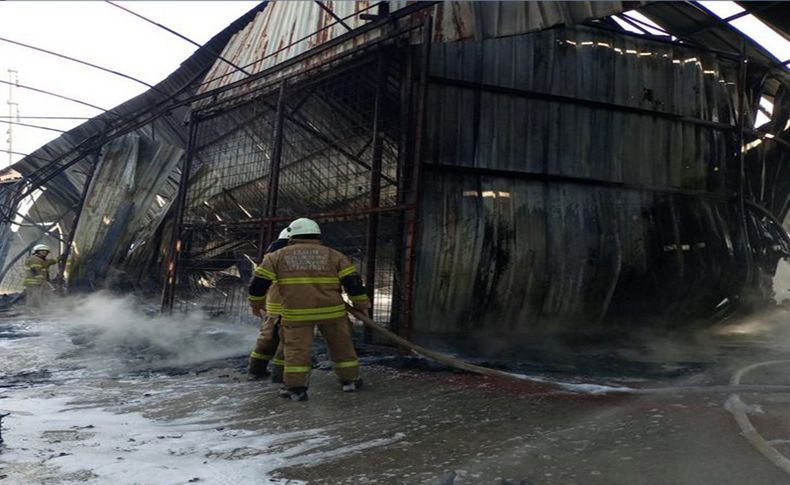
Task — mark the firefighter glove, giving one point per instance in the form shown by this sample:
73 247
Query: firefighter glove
258 308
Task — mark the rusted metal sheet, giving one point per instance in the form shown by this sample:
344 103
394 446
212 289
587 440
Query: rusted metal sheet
286 29
281 31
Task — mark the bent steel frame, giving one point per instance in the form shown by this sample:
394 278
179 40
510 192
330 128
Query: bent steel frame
340 118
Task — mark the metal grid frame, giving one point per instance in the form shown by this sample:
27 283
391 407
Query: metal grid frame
323 143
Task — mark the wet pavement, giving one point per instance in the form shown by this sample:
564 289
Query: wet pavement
102 410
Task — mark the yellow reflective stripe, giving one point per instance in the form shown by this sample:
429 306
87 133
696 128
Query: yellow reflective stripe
310 318
256 298
347 363
265 273
296 368
358 297
309 280
256 355
314 310
274 308
310 314
36 265
30 281
346 271
280 362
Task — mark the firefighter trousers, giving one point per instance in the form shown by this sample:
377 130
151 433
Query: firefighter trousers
298 340
268 346
37 297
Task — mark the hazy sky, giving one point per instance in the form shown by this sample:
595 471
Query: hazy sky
102 34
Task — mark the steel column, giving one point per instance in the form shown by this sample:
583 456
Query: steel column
171 276
746 245
375 185
416 182
60 282
267 229
404 163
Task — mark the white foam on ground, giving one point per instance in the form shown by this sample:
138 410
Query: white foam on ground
125 448
580 388
131 449
102 441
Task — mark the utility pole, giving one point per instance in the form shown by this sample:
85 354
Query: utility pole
13 111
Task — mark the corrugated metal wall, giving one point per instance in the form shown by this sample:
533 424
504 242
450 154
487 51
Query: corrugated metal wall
509 254
521 134
284 30
129 196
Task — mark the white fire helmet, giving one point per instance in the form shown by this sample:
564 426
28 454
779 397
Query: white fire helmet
303 227
41 247
284 234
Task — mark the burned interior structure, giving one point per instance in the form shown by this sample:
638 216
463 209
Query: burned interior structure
496 166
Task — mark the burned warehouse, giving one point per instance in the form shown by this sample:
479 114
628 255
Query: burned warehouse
497 167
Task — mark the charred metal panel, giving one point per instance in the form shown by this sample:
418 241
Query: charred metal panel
60 166
480 127
127 199
768 161
636 220
510 255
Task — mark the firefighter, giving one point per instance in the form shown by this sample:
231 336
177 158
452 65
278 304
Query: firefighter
310 277
36 280
268 346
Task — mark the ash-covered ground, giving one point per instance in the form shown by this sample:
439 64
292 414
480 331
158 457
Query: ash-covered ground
101 392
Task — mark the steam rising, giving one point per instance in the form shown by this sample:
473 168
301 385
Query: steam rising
782 281
138 336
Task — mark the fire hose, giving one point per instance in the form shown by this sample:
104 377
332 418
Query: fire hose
563 386
431 354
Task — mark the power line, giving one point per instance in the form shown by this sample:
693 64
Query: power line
177 35
50 93
31 126
86 63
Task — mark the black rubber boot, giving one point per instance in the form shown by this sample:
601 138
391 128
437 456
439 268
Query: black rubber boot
277 374
351 386
256 369
294 393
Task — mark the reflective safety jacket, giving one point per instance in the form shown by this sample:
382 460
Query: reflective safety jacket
310 278
37 270
272 298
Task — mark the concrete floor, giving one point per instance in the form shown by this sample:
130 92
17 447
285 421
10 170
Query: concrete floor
74 421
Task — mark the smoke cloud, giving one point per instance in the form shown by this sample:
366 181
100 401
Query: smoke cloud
139 337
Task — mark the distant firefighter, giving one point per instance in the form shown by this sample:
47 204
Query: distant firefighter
36 281
311 277
268 346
